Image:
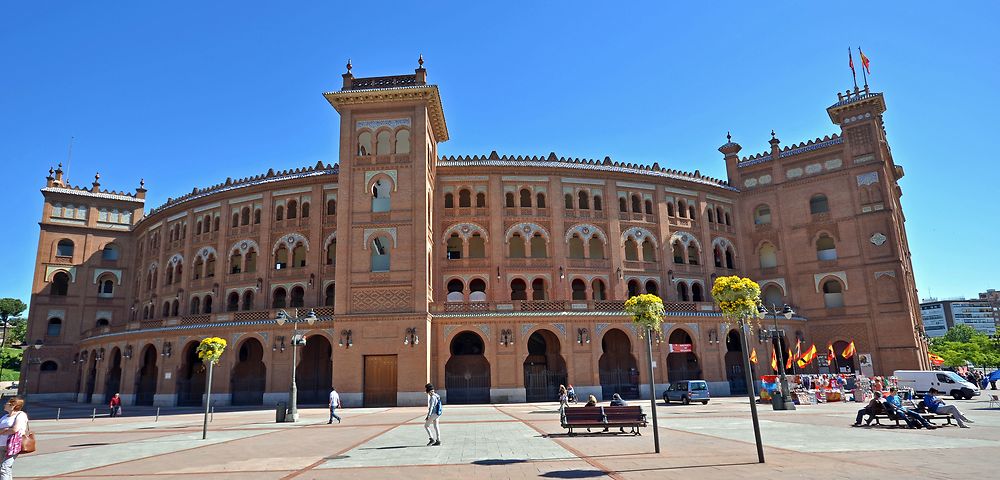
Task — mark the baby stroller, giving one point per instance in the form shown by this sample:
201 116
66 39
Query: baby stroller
571 394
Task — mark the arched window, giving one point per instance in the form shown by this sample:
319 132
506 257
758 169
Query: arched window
464 198
380 255
477 290
331 207
256 218
382 143
569 201
456 290
682 208
597 290
49 366
682 292
652 288
538 289
696 293
293 209
166 309
64 248
281 258
331 252
102 322
207 307
633 288
727 219
454 247
818 204
584 200
106 287
622 205
575 247
477 246
691 212
826 249
251 261
518 289
298 297
648 251
305 209
773 296
245 216
236 220
833 294
649 207
364 144
540 200
170 276
515 246
215 224
233 302
279 213
711 215
248 300
597 202
209 266
730 258
631 250
538 249
768 256
678 251
449 200
330 296
670 209
693 254
480 200
54 327
279 298
509 200
299 255
235 263
175 308
195 305
596 247
636 204
110 253
402 142
380 195
579 289
762 215
197 227
525 198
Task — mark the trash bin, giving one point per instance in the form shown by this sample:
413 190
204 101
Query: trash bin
280 411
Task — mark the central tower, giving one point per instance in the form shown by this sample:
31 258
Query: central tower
389 130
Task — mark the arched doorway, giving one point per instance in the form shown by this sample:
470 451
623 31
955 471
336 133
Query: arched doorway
734 364
249 374
113 382
467 373
841 364
191 380
544 368
145 381
617 366
88 396
682 365
315 377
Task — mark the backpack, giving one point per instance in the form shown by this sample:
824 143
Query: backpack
438 408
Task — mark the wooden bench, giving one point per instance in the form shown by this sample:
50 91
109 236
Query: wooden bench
603 418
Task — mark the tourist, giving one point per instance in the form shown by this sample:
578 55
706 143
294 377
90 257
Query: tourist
616 401
913 419
15 422
874 407
334 405
434 411
591 401
571 394
563 397
934 404
807 382
115 406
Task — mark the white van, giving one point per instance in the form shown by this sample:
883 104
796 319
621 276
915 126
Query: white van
948 383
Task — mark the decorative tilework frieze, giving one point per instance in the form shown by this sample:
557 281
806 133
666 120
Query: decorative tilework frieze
869 178
526 327
376 124
633 327
485 329
561 327
601 327
448 329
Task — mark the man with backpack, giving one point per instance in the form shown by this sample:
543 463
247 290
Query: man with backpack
434 411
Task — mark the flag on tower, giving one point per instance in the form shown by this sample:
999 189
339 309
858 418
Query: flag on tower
865 62
850 62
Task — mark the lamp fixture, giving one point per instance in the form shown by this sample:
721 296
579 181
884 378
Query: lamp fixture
713 336
562 275
411 338
618 272
506 337
279 344
128 352
100 354
582 336
345 339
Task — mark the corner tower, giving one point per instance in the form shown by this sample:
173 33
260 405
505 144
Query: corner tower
389 130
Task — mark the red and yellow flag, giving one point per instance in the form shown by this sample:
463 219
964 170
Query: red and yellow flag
830 356
849 351
807 357
864 62
935 359
774 360
788 362
798 349
850 59
753 356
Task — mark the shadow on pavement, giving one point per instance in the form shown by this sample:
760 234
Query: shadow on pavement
498 462
574 474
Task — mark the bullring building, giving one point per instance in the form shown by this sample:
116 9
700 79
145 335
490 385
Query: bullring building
495 277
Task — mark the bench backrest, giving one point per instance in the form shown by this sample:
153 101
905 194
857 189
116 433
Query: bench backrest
578 414
623 413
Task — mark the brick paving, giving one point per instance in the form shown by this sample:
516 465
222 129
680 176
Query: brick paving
517 441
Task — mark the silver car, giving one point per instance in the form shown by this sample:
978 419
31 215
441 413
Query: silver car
687 391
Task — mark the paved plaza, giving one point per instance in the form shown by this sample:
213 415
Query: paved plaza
506 442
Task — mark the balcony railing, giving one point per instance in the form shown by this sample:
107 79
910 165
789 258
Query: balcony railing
600 263
562 306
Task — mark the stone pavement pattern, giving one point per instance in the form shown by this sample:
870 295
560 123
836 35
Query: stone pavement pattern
516 441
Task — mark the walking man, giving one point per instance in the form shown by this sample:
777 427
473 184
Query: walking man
334 404
434 411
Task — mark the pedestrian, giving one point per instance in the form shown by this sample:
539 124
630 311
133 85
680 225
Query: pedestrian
334 405
936 405
434 411
115 406
563 397
571 394
14 422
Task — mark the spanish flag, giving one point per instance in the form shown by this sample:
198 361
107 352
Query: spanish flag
935 359
753 356
850 60
798 349
830 356
788 362
864 62
849 351
807 357
774 360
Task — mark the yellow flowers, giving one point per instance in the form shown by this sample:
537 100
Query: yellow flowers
210 349
646 310
738 298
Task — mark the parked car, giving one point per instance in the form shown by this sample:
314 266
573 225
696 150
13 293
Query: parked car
949 383
687 391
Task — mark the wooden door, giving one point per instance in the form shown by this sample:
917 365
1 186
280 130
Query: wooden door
380 381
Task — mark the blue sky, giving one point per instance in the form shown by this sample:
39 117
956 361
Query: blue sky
186 94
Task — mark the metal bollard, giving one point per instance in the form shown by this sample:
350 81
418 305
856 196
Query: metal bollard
93 416
157 415
211 417
58 413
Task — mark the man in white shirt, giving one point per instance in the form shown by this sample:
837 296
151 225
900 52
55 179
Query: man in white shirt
334 404
433 414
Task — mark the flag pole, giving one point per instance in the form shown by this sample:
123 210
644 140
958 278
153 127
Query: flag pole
854 74
864 74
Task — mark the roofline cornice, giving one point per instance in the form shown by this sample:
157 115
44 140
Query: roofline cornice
427 93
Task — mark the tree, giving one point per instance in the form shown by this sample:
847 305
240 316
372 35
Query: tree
963 345
10 307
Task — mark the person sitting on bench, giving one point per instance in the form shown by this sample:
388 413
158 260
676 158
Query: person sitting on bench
616 401
894 406
936 405
874 407
591 401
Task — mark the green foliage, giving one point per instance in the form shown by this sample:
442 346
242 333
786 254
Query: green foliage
646 310
963 344
16 331
11 358
11 307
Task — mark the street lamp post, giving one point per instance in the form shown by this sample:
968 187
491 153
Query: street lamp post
293 394
786 402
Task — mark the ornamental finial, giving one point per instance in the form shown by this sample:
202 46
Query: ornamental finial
348 65
420 61
772 133
729 137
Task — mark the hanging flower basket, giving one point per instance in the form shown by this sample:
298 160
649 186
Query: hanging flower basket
646 310
210 349
738 298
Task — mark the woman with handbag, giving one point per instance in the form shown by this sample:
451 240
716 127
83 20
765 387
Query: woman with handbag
13 427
